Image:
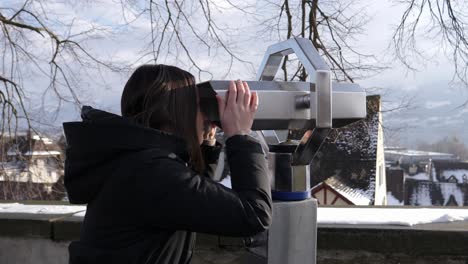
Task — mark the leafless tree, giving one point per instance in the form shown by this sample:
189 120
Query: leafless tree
37 44
181 30
442 22
331 26
394 105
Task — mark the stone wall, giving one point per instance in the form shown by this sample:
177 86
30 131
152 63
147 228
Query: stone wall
43 238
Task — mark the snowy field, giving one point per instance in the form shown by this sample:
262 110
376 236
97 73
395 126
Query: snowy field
326 215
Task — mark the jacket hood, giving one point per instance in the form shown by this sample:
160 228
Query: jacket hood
94 145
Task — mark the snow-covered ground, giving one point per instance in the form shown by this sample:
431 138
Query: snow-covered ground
326 215
389 216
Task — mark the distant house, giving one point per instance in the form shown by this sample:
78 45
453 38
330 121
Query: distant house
448 185
332 191
426 193
430 183
455 172
350 168
31 168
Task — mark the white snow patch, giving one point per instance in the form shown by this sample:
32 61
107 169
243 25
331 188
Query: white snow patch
389 216
34 153
39 209
325 215
80 214
391 200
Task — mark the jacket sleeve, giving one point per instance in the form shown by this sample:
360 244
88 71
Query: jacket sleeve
210 156
182 200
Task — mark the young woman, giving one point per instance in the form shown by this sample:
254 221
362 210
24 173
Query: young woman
142 174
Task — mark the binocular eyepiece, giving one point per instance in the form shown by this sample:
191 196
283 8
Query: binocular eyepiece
208 103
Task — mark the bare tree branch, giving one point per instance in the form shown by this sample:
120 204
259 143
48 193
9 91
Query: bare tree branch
444 21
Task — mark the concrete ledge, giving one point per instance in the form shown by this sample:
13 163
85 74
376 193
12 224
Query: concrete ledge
66 228
393 240
49 226
420 240
25 225
47 236
365 257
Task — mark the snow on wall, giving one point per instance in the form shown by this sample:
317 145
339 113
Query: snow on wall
40 209
325 215
389 216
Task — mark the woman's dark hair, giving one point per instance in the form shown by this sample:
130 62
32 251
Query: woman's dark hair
165 97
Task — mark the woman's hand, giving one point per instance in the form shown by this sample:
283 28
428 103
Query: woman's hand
237 111
209 133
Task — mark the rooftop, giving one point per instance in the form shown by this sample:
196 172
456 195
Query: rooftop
355 195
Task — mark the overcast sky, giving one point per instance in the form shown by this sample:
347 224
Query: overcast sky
435 109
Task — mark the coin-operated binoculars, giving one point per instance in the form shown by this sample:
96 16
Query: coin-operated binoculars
314 107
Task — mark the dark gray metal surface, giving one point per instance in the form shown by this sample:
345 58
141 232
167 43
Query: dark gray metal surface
310 144
284 176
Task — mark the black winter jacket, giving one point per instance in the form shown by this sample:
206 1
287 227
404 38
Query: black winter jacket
143 200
